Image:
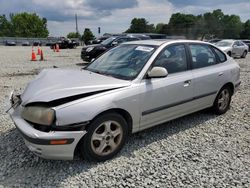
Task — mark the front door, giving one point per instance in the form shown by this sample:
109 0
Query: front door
167 98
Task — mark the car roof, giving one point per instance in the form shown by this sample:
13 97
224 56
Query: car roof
159 42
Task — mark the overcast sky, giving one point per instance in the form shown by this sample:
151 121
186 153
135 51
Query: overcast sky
114 16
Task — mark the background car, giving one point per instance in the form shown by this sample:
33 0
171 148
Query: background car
37 43
213 41
99 40
25 43
247 42
10 43
64 43
93 51
234 48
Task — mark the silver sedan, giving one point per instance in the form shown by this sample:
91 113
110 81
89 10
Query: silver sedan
132 87
234 48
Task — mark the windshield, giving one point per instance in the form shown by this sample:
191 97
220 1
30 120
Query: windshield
123 62
108 41
224 43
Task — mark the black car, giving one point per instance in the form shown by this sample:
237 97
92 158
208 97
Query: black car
247 42
64 44
37 43
93 51
99 40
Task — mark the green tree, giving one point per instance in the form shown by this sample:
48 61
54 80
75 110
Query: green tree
5 27
73 35
214 26
246 30
140 25
182 24
24 25
232 26
87 36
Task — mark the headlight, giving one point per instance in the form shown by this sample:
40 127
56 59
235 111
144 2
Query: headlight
39 115
89 49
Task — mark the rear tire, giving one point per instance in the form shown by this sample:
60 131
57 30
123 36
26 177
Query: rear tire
244 54
105 137
222 101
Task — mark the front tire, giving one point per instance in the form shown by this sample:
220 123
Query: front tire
105 137
222 101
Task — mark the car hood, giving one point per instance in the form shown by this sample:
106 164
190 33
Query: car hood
54 84
225 49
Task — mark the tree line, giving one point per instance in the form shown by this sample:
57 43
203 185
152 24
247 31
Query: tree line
23 25
214 24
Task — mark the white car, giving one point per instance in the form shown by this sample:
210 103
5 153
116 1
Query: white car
234 48
131 87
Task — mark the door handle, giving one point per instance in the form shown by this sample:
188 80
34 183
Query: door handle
221 73
187 83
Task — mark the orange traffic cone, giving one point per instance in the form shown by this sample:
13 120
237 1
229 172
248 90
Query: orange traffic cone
57 48
38 51
41 57
33 55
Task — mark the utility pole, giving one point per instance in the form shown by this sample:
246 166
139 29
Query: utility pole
76 25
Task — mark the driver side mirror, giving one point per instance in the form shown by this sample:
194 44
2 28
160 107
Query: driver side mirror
157 72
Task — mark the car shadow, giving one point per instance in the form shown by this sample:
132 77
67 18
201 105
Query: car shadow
18 165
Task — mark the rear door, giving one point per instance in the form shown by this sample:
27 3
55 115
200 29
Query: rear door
208 74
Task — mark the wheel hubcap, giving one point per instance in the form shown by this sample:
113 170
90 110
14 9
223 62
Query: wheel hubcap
106 138
223 100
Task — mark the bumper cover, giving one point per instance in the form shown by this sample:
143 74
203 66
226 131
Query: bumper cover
39 142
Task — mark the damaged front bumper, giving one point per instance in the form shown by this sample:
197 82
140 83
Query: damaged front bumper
49 145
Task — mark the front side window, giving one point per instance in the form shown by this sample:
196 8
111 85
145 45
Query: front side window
202 55
173 58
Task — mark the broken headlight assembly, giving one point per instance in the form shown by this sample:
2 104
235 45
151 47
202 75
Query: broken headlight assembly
39 115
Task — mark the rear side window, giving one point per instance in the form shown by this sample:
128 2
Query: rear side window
202 55
221 56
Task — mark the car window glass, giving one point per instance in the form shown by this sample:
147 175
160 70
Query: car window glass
124 61
221 55
202 56
241 43
132 39
173 58
121 40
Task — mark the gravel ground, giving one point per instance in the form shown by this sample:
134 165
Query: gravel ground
199 150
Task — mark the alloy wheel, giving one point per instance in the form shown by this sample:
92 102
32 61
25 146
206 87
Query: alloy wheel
106 138
224 99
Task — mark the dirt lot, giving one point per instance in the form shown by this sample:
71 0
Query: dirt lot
199 150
